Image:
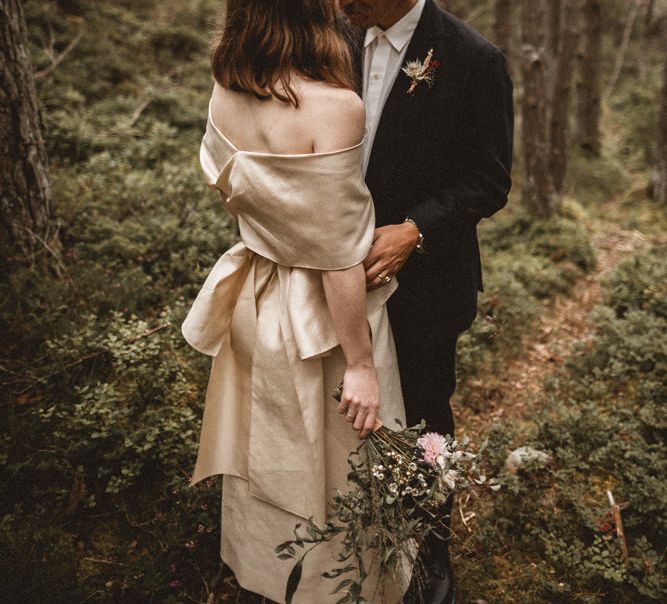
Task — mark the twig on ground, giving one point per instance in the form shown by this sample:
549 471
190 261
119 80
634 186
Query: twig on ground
102 561
465 517
618 522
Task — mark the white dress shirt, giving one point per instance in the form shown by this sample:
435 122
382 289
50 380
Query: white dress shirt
384 53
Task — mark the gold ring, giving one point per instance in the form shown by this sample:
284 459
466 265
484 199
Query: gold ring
381 276
387 278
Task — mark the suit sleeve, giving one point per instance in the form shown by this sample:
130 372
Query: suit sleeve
481 180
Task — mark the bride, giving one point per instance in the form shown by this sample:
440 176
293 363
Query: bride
284 313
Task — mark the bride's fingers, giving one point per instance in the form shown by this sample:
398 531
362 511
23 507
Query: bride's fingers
352 410
359 419
369 425
373 271
342 407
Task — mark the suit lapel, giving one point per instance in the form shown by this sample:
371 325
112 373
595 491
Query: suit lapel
402 108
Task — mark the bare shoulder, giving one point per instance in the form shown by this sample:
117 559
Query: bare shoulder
330 101
336 116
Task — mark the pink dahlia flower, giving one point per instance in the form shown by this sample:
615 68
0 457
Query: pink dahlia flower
433 444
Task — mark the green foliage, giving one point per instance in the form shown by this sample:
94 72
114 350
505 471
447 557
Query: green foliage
595 179
640 283
103 395
601 420
526 261
638 125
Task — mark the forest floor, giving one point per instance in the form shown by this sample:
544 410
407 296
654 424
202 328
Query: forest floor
510 395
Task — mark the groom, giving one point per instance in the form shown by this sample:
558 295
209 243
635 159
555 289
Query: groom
438 157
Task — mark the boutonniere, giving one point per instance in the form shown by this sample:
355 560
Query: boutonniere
421 72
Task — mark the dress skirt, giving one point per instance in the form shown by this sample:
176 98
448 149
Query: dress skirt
252 528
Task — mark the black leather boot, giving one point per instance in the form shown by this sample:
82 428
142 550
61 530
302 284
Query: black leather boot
440 588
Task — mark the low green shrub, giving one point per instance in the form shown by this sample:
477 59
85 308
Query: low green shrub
602 421
640 283
525 261
102 396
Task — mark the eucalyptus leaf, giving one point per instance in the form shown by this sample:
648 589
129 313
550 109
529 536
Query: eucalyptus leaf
293 581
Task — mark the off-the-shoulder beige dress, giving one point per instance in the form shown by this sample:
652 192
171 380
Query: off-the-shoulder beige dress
270 425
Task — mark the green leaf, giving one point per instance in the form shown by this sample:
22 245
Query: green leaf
293 581
341 585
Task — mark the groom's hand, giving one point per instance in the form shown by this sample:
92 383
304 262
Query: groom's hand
392 246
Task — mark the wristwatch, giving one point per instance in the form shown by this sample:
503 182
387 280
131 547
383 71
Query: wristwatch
420 243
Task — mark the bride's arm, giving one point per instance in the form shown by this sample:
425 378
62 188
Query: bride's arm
338 121
345 291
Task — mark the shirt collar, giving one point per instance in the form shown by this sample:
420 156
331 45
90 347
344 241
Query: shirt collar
400 33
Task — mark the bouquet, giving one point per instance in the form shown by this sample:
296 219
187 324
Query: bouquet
399 481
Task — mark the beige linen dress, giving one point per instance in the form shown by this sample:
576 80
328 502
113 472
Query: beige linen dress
270 425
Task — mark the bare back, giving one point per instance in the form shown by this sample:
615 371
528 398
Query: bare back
327 119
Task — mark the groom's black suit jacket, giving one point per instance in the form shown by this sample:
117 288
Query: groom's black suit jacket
442 156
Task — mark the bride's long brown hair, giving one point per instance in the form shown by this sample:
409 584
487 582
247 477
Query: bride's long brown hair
264 42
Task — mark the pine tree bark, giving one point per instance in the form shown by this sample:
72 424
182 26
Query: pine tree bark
661 155
588 83
554 9
648 15
537 193
645 43
559 125
552 44
25 192
502 25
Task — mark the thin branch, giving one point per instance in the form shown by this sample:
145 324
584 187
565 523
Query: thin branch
61 269
620 57
94 355
102 561
55 61
478 12
151 92
136 114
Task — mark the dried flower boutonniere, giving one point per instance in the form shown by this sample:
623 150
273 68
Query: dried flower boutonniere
421 72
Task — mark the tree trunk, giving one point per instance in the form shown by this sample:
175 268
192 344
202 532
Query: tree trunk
552 44
661 155
648 15
645 43
25 193
537 189
588 84
502 25
554 21
562 93
625 42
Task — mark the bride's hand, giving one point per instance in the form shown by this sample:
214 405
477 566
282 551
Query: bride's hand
360 401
